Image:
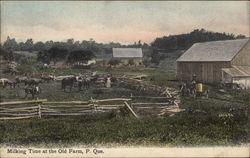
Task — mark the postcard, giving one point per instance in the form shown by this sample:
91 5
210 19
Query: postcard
124 79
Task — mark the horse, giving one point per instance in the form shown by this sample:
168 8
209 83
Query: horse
69 81
32 90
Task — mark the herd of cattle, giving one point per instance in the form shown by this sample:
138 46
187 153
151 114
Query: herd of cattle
31 85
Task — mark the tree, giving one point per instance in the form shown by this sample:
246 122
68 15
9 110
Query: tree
39 46
155 57
70 41
80 56
43 56
49 44
29 44
6 54
10 45
21 46
240 36
56 54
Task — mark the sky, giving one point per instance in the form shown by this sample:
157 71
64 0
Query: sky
120 21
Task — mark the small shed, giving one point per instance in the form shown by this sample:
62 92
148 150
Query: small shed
237 74
206 60
128 56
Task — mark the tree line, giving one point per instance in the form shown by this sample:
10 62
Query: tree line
71 49
70 44
184 41
56 54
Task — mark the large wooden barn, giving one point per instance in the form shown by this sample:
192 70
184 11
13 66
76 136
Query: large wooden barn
210 60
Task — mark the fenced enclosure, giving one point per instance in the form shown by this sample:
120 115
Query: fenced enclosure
21 109
42 108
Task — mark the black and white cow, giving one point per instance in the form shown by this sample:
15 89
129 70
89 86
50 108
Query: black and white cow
35 90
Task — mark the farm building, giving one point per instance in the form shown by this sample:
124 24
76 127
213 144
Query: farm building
128 56
237 74
212 61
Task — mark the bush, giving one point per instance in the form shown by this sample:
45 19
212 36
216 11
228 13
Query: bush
114 62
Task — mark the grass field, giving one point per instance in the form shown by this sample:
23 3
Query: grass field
204 122
184 129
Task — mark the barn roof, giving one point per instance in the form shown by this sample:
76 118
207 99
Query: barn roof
213 51
127 53
238 71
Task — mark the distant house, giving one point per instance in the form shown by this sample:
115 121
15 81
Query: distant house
214 62
128 56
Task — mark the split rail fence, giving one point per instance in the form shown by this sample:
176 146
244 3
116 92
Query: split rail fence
42 108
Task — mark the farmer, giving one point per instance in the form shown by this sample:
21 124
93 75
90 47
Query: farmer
193 84
108 82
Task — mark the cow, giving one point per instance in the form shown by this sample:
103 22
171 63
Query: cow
84 82
12 84
48 78
20 80
68 82
4 82
34 90
33 82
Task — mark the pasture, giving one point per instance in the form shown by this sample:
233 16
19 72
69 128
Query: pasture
204 122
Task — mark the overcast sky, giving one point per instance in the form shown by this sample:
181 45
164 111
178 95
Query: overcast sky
122 21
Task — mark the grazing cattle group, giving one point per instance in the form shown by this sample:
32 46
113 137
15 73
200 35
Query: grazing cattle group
5 82
31 84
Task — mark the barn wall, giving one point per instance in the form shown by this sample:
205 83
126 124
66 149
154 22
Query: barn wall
226 78
206 72
243 57
125 61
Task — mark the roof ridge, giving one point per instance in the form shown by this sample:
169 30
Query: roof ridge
223 40
214 51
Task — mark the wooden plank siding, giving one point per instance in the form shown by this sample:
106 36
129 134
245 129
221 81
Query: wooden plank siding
243 57
206 72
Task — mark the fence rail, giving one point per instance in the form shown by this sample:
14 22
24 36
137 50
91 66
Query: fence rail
42 107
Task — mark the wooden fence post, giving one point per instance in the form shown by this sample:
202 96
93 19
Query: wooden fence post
93 103
131 110
130 102
39 111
